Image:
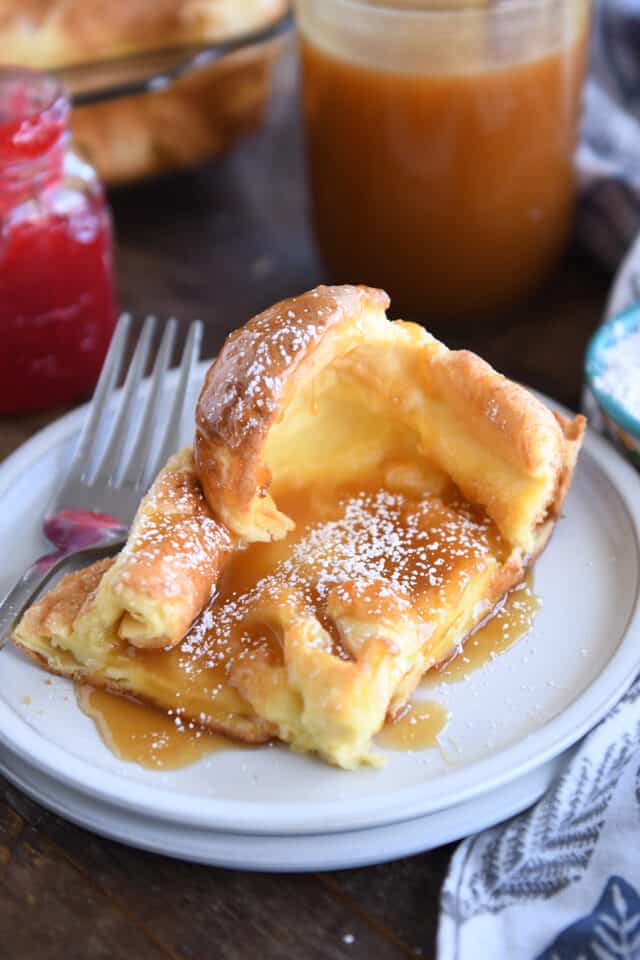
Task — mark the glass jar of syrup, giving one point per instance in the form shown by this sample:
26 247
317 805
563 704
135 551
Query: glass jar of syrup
57 307
440 140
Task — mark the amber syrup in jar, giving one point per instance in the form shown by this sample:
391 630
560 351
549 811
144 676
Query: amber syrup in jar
57 307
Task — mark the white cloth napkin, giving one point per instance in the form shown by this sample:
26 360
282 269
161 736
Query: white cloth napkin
562 881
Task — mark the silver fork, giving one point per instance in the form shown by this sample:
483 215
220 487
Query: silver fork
96 501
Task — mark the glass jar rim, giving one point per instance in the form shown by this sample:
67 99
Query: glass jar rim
34 110
45 90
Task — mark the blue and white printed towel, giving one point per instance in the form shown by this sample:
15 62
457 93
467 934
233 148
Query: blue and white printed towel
562 881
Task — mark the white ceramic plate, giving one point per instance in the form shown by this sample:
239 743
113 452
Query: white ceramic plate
507 719
338 851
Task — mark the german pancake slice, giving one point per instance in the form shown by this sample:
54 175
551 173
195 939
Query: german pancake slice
359 498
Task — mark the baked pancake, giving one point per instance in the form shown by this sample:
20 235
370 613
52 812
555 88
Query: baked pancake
57 33
371 496
114 623
166 571
190 121
315 639
325 385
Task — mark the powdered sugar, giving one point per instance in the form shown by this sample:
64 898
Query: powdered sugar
384 552
247 382
173 537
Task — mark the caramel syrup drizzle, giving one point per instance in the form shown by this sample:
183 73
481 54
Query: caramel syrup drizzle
198 669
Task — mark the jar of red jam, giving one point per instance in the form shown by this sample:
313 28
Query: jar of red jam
57 307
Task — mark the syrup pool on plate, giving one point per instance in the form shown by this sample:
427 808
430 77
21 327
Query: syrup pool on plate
509 623
417 729
140 734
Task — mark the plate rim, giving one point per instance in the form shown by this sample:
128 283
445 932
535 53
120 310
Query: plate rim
221 849
551 739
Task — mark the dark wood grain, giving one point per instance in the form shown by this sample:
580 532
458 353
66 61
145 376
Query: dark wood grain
51 908
221 243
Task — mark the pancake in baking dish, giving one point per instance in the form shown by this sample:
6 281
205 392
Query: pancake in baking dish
359 497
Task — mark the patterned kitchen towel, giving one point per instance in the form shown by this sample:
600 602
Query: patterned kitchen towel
608 157
561 881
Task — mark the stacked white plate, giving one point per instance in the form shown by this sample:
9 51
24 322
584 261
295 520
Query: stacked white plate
511 720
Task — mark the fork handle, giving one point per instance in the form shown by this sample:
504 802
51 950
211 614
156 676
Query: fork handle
38 575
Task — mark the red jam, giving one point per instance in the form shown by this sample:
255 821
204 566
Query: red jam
57 307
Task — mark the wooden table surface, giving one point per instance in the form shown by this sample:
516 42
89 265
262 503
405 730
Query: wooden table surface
222 243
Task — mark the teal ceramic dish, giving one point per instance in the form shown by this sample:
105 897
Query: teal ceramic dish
616 420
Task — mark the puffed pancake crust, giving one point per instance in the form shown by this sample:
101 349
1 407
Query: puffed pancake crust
359 498
144 135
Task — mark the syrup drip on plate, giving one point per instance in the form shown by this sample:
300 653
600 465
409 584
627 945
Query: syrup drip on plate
417 729
138 733
513 619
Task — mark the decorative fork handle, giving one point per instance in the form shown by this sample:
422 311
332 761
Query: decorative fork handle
74 534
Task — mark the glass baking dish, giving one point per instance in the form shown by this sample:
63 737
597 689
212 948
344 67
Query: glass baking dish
160 110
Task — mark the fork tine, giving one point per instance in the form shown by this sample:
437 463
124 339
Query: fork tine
108 463
190 356
106 382
133 472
